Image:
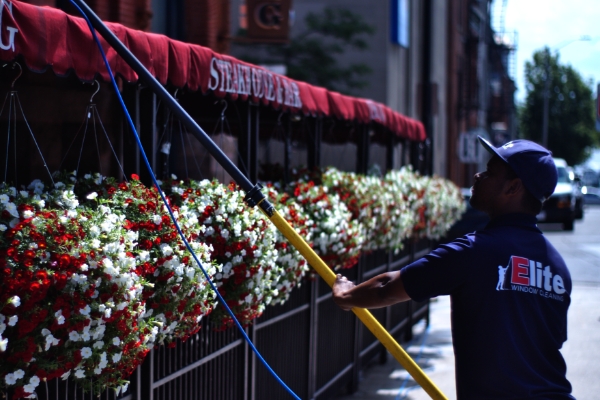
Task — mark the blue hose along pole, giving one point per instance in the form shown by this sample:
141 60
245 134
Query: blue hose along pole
255 197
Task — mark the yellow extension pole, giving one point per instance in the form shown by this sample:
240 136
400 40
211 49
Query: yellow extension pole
364 315
313 259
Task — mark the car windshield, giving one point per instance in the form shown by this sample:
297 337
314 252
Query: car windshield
563 175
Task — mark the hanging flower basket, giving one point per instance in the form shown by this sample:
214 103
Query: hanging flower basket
336 237
242 244
289 259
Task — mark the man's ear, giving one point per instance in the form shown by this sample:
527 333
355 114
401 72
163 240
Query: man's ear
514 187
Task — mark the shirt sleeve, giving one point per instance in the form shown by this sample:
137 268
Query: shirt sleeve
440 272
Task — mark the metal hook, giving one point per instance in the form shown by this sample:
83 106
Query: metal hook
279 118
175 94
224 108
97 90
12 85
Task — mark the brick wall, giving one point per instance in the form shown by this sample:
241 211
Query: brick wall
135 14
207 23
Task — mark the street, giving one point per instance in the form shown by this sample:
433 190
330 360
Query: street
581 251
432 348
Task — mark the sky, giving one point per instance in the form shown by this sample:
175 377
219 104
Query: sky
553 23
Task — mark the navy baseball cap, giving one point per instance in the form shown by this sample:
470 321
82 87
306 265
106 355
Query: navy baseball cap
532 163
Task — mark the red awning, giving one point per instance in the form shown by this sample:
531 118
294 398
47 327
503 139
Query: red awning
48 37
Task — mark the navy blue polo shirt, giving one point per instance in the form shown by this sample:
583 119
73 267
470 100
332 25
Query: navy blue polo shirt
510 291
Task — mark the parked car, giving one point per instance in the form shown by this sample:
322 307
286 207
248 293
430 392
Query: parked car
591 194
577 192
566 203
590 181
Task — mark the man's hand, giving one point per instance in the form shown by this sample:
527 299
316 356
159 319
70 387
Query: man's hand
380 291
340 287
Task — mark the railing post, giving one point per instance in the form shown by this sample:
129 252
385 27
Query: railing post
383 355
145 379
390 152
313 332
147 131
314 145
287 151
362 157
254 136
244 140
250 366
358 334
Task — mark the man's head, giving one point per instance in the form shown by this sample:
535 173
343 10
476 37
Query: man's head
522 173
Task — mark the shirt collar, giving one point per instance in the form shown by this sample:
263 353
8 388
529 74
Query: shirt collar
516 219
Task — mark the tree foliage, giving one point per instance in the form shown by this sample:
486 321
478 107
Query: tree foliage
571 116
312 55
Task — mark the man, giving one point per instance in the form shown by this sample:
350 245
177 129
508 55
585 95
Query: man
506 335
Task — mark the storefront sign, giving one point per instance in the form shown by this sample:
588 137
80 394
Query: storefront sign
237 78
469 149
268 20
12 31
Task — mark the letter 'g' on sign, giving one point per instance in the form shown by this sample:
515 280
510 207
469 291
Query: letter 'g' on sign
520 269
268 20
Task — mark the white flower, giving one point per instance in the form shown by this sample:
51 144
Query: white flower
166 249
98 345
74 336
12 209
86 352
3 344
50 341
66 375
28 214
85 310
12 320
157 219
116 357
94 231
3 228
4 199
15 301
10 379
79 373
91 196
34 380
116 341
79 279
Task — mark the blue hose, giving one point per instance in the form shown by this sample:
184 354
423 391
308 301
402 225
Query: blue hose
187 245
400 395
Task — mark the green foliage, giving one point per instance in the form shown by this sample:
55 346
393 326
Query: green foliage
312 55
571 117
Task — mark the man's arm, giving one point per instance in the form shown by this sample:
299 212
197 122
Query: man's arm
380 291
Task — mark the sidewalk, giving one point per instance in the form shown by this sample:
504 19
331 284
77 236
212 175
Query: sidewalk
391 381
581 352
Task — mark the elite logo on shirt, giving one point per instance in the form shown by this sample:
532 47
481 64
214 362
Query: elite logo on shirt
525 275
